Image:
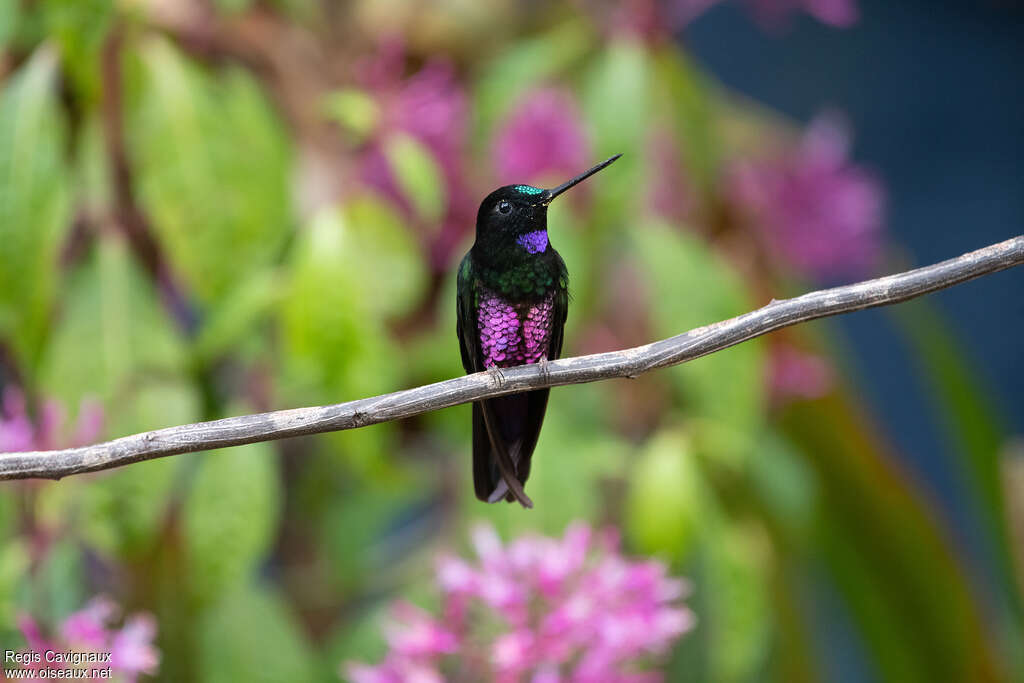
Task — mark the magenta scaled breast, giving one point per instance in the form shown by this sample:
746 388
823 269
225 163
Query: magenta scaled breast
513 334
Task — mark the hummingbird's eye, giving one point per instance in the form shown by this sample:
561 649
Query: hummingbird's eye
504 206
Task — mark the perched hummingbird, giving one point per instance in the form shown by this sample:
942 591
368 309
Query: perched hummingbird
512 301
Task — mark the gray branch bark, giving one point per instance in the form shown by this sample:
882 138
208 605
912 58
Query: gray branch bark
235 431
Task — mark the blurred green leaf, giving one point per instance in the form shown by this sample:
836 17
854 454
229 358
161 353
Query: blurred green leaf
230 517
354 110
383 256
434 356
359 640
233 6
617 104
418 175
783 483
239 311
124 510
308 11
112 339
355 531
57 585
686 96
368 451
15 561
362 638
573 486
53 504
250 635
335 344
524 65
617 98
887 554
664 504
970 416
578 245
9 11
971 421
79 28
737 601
691 286
34 206
884 625
92 173
8 518
213 164
794 654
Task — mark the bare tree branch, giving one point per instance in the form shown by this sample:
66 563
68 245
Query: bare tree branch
702 341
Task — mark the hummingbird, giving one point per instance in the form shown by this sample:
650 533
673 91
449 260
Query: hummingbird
513 297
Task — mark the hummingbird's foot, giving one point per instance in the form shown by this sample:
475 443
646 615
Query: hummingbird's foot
543 363
497 376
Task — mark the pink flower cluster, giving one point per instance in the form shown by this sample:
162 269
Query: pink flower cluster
90 630
797 375
431 106
545 610
772 13
812 208
656 20
542 138
837 13
19 433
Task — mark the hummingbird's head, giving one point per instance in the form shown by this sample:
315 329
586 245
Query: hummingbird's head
519 213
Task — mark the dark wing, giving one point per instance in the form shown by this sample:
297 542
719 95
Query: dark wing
561 312
465 312
492 462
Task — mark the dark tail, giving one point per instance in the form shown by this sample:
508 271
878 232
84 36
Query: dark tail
515 422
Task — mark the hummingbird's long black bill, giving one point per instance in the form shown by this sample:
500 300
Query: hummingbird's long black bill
555 191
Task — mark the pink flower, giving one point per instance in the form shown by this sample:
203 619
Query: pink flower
569 610
414 633
33 636
671 192
542 138
91 630
18 433
837 13
89 426
812 208
132 650
655 21
511 654
87 628
431 107
772 13
16 430
794 374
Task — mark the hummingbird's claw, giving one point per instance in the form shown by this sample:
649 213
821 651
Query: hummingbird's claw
543 363
497 376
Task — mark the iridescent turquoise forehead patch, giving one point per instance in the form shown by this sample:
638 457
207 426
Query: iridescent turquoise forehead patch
527 189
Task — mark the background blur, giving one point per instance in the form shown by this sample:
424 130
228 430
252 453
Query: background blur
213 208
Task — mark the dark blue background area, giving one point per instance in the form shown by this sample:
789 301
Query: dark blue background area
934 90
